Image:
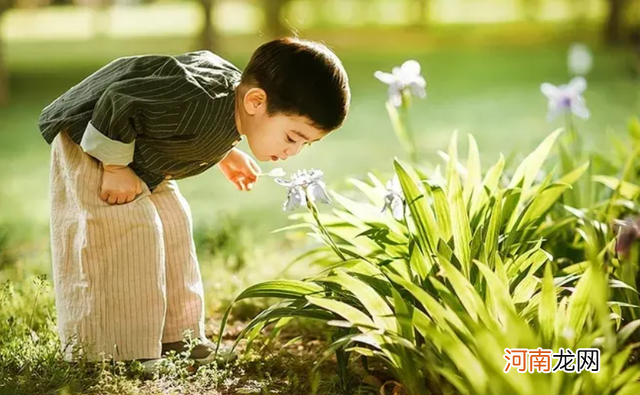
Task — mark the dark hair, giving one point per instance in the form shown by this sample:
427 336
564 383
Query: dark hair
301 78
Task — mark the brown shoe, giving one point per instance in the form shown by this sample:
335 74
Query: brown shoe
150 367
204 353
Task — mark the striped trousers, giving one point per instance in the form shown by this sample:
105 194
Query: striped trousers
126 277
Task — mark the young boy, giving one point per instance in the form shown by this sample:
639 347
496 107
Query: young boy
125 270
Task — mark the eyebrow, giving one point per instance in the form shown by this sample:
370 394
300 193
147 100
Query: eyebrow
303 136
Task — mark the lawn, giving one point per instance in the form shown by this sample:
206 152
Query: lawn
490 91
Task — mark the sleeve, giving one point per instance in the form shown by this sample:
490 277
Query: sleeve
152 106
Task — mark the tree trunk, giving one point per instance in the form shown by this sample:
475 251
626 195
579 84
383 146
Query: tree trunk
530 9
100 17
274 25
207 38
614 29
4 77
423 12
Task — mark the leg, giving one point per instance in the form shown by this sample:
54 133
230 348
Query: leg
185 301
108 263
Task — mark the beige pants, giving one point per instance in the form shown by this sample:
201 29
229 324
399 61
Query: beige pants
126 277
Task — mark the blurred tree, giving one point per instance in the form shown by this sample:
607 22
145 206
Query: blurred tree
100 16
422 12
6 5
207 38
614 32
530 9
273 17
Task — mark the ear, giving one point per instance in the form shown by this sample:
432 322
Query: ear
255 101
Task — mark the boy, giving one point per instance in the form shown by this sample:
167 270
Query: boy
125 269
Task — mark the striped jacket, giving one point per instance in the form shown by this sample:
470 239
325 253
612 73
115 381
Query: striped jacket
164 116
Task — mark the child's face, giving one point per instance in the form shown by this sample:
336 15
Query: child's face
279 137
275 137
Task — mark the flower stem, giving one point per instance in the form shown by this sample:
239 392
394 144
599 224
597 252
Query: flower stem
573 134
314 211
404 118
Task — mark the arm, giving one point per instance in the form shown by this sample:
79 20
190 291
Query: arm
153 106
239 168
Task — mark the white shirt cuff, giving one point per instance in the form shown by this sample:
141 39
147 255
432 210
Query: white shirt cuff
107 151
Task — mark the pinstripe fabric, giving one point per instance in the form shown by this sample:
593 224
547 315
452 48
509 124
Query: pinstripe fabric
179 111
185 303
126 276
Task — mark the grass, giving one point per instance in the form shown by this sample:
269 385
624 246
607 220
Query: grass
491 91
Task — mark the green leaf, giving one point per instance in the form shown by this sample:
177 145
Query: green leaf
631 388
573 176
464 360
535 258
541 203
420 264
370 192
634 130
423 216
627 331
627 189
525 290
361 350
459 219
441 316
531 165
493 231
547 307
370 299
579 307
477 241
351 314
280 289
490 183
499 292
404 314
561 316
465 291
442 211
451 375
473 183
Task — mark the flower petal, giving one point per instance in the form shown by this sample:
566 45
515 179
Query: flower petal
277 172
411 68
387 78
549 90
315 175
555 110
578 85
318 192
283 182
418 89
395 96
395 185
580 59
579 108
295 198
397 209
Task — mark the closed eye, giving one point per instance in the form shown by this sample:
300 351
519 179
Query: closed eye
290 140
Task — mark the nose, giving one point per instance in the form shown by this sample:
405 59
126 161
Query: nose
293 151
